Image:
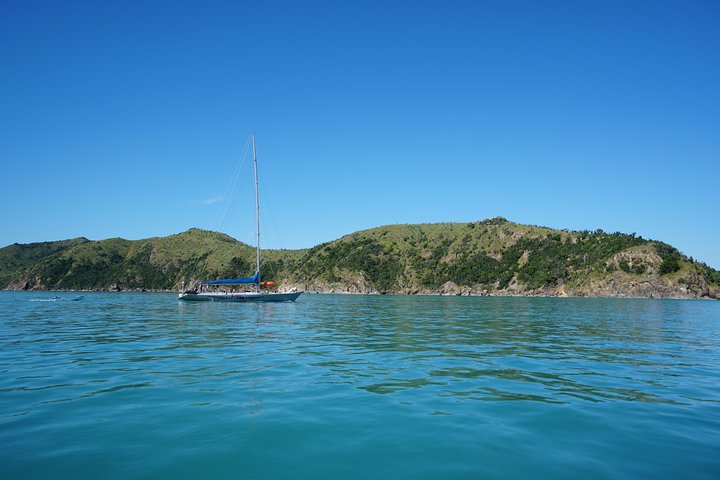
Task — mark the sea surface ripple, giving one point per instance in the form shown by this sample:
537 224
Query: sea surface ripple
131 385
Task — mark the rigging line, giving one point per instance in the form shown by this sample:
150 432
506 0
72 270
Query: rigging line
274 271
230 191
273 220
203 266
235 200
232 188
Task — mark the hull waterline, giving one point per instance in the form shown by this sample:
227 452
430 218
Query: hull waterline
239 297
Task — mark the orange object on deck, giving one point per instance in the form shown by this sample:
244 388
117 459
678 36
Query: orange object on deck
267 284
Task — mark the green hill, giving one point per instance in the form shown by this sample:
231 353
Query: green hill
15 258
118 264
489 257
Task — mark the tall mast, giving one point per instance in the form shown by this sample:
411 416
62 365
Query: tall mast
257 212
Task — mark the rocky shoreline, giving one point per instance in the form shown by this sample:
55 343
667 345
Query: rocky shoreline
610 287
617 285
448 290
451 289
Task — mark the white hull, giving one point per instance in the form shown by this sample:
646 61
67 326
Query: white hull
238 297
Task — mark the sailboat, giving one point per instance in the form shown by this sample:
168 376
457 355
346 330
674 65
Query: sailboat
204 294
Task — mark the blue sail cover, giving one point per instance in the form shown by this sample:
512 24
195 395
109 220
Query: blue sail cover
234 281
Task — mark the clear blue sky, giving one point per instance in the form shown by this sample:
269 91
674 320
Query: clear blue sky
128 118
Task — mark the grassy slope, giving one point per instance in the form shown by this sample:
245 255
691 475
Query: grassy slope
493 254
153 263
17 257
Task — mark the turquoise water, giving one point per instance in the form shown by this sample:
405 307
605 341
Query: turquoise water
140 386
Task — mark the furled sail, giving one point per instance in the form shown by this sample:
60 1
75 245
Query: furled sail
234 281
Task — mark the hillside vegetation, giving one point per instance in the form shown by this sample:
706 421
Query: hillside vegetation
489 257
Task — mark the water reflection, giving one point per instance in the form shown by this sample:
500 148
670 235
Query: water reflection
547 350
436 350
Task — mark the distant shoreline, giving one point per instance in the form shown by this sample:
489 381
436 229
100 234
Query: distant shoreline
493 257
423 294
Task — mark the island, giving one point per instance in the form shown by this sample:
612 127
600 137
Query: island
492 257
